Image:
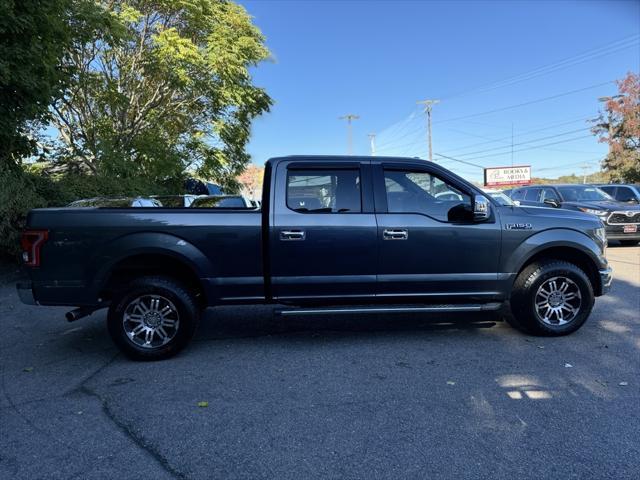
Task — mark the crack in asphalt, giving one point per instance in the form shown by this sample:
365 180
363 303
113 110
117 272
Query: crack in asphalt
125 428
82 388
137 439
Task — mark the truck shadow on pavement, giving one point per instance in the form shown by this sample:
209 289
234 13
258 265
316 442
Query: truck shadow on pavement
248 322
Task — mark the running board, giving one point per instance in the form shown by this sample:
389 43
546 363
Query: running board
480 307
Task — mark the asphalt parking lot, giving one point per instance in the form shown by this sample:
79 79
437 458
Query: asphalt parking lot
402 396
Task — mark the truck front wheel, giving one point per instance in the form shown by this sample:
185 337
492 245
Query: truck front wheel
551 297
153 318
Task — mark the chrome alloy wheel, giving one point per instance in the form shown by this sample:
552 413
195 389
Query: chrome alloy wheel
558 301
151 321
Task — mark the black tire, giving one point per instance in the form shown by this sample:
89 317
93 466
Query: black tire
524 315
183 311
628 243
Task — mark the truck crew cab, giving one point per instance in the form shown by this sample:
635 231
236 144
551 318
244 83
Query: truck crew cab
334 234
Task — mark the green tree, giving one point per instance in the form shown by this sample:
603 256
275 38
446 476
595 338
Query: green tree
166 88
33 36
619 126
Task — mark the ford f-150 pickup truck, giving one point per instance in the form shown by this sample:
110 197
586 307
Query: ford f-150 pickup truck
333 235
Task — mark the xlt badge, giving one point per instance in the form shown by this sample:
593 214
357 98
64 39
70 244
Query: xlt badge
518 226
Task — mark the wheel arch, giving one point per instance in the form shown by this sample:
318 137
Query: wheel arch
560 244
148 254
569 254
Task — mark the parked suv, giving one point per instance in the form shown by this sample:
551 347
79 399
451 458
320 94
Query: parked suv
622 220
628 193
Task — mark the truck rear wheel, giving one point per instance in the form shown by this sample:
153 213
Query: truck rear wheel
552 298
153 318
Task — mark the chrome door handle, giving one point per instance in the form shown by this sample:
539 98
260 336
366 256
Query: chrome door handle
395 234
292 235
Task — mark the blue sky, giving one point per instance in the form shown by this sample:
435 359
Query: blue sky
377 58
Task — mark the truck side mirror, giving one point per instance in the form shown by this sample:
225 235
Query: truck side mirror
553 202
481 209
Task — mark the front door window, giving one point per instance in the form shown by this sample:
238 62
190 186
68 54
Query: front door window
423 193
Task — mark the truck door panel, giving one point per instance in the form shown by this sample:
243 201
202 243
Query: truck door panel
439 253
323 233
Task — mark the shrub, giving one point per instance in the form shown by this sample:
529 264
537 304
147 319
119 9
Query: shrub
74 187
18 195
21 191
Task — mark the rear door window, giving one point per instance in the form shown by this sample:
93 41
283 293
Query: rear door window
324 191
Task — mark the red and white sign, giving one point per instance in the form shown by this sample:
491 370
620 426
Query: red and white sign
518 175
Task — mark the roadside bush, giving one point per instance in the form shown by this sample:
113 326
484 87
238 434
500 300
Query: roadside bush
21 191
75 187
18 195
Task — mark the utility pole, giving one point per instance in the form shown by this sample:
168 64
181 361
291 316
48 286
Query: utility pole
584 168
428 104
349 118
372 141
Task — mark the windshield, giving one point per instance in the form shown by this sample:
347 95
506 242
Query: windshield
582 192
501 198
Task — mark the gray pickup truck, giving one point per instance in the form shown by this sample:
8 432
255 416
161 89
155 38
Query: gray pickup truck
333 235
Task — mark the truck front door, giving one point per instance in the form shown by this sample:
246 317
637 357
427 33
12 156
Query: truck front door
429 246
323 231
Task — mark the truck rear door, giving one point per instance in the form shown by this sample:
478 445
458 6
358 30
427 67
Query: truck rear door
323 231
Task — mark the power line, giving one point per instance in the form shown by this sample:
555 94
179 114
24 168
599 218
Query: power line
532 148
415 130
523 133
593 161
569 150
409 152
404 148
584 162
458 160
525 143
399 126
503 138
496 110
396 147
591 54
531 102
536 170
505 145
604 50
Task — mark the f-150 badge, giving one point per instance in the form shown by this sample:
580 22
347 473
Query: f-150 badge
518 226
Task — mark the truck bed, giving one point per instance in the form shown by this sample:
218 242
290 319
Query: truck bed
84 242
